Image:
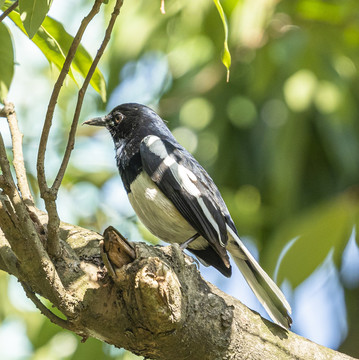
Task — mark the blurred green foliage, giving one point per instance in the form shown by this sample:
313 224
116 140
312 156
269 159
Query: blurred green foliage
281 139
7 61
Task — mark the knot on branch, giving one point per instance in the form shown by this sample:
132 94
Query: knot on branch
150 288
50 194
8 109
154 292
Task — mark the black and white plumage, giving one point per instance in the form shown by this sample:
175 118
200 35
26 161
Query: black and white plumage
176 199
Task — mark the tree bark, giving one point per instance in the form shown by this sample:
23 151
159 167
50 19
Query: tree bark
157 306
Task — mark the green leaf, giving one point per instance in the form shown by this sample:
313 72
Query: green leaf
1 3
33 13
318 231
54 42
82 60
6 61
45 42
226 57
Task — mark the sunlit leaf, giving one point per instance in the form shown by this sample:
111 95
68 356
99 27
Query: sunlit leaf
226 57
82 60
54 42
318 231
45 42
1 3
32 13
6 61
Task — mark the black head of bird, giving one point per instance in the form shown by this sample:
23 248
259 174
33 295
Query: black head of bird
130 120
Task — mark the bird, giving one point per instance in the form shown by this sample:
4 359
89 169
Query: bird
177 200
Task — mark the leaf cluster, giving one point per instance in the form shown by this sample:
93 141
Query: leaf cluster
50 37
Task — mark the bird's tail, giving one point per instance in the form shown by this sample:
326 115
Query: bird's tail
267 292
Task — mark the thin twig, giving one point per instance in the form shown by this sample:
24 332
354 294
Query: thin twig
47 194
45 311
18 161
56 91
8 10
8 111
7 183
81 94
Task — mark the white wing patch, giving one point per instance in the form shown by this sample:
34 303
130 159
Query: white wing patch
183 176
169 161
186 178
211 219
156 146
150 139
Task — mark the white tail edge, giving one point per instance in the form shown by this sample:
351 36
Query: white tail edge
265 289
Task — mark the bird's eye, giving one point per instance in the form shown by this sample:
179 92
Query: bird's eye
118 118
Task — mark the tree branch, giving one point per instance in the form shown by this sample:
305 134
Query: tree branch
81 94
24 238
161 308
8 260
8 10
19 165
7 179
8 185
49 195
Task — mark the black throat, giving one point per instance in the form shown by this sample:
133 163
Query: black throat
128 159
130 170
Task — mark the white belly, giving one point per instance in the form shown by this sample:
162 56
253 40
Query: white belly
159 215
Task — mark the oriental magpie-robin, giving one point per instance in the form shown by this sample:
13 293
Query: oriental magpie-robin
178 202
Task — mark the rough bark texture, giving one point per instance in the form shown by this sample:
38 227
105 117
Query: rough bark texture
158 306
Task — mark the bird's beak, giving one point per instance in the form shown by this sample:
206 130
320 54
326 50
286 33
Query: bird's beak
99 121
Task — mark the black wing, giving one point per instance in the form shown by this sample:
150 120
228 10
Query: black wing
179 176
